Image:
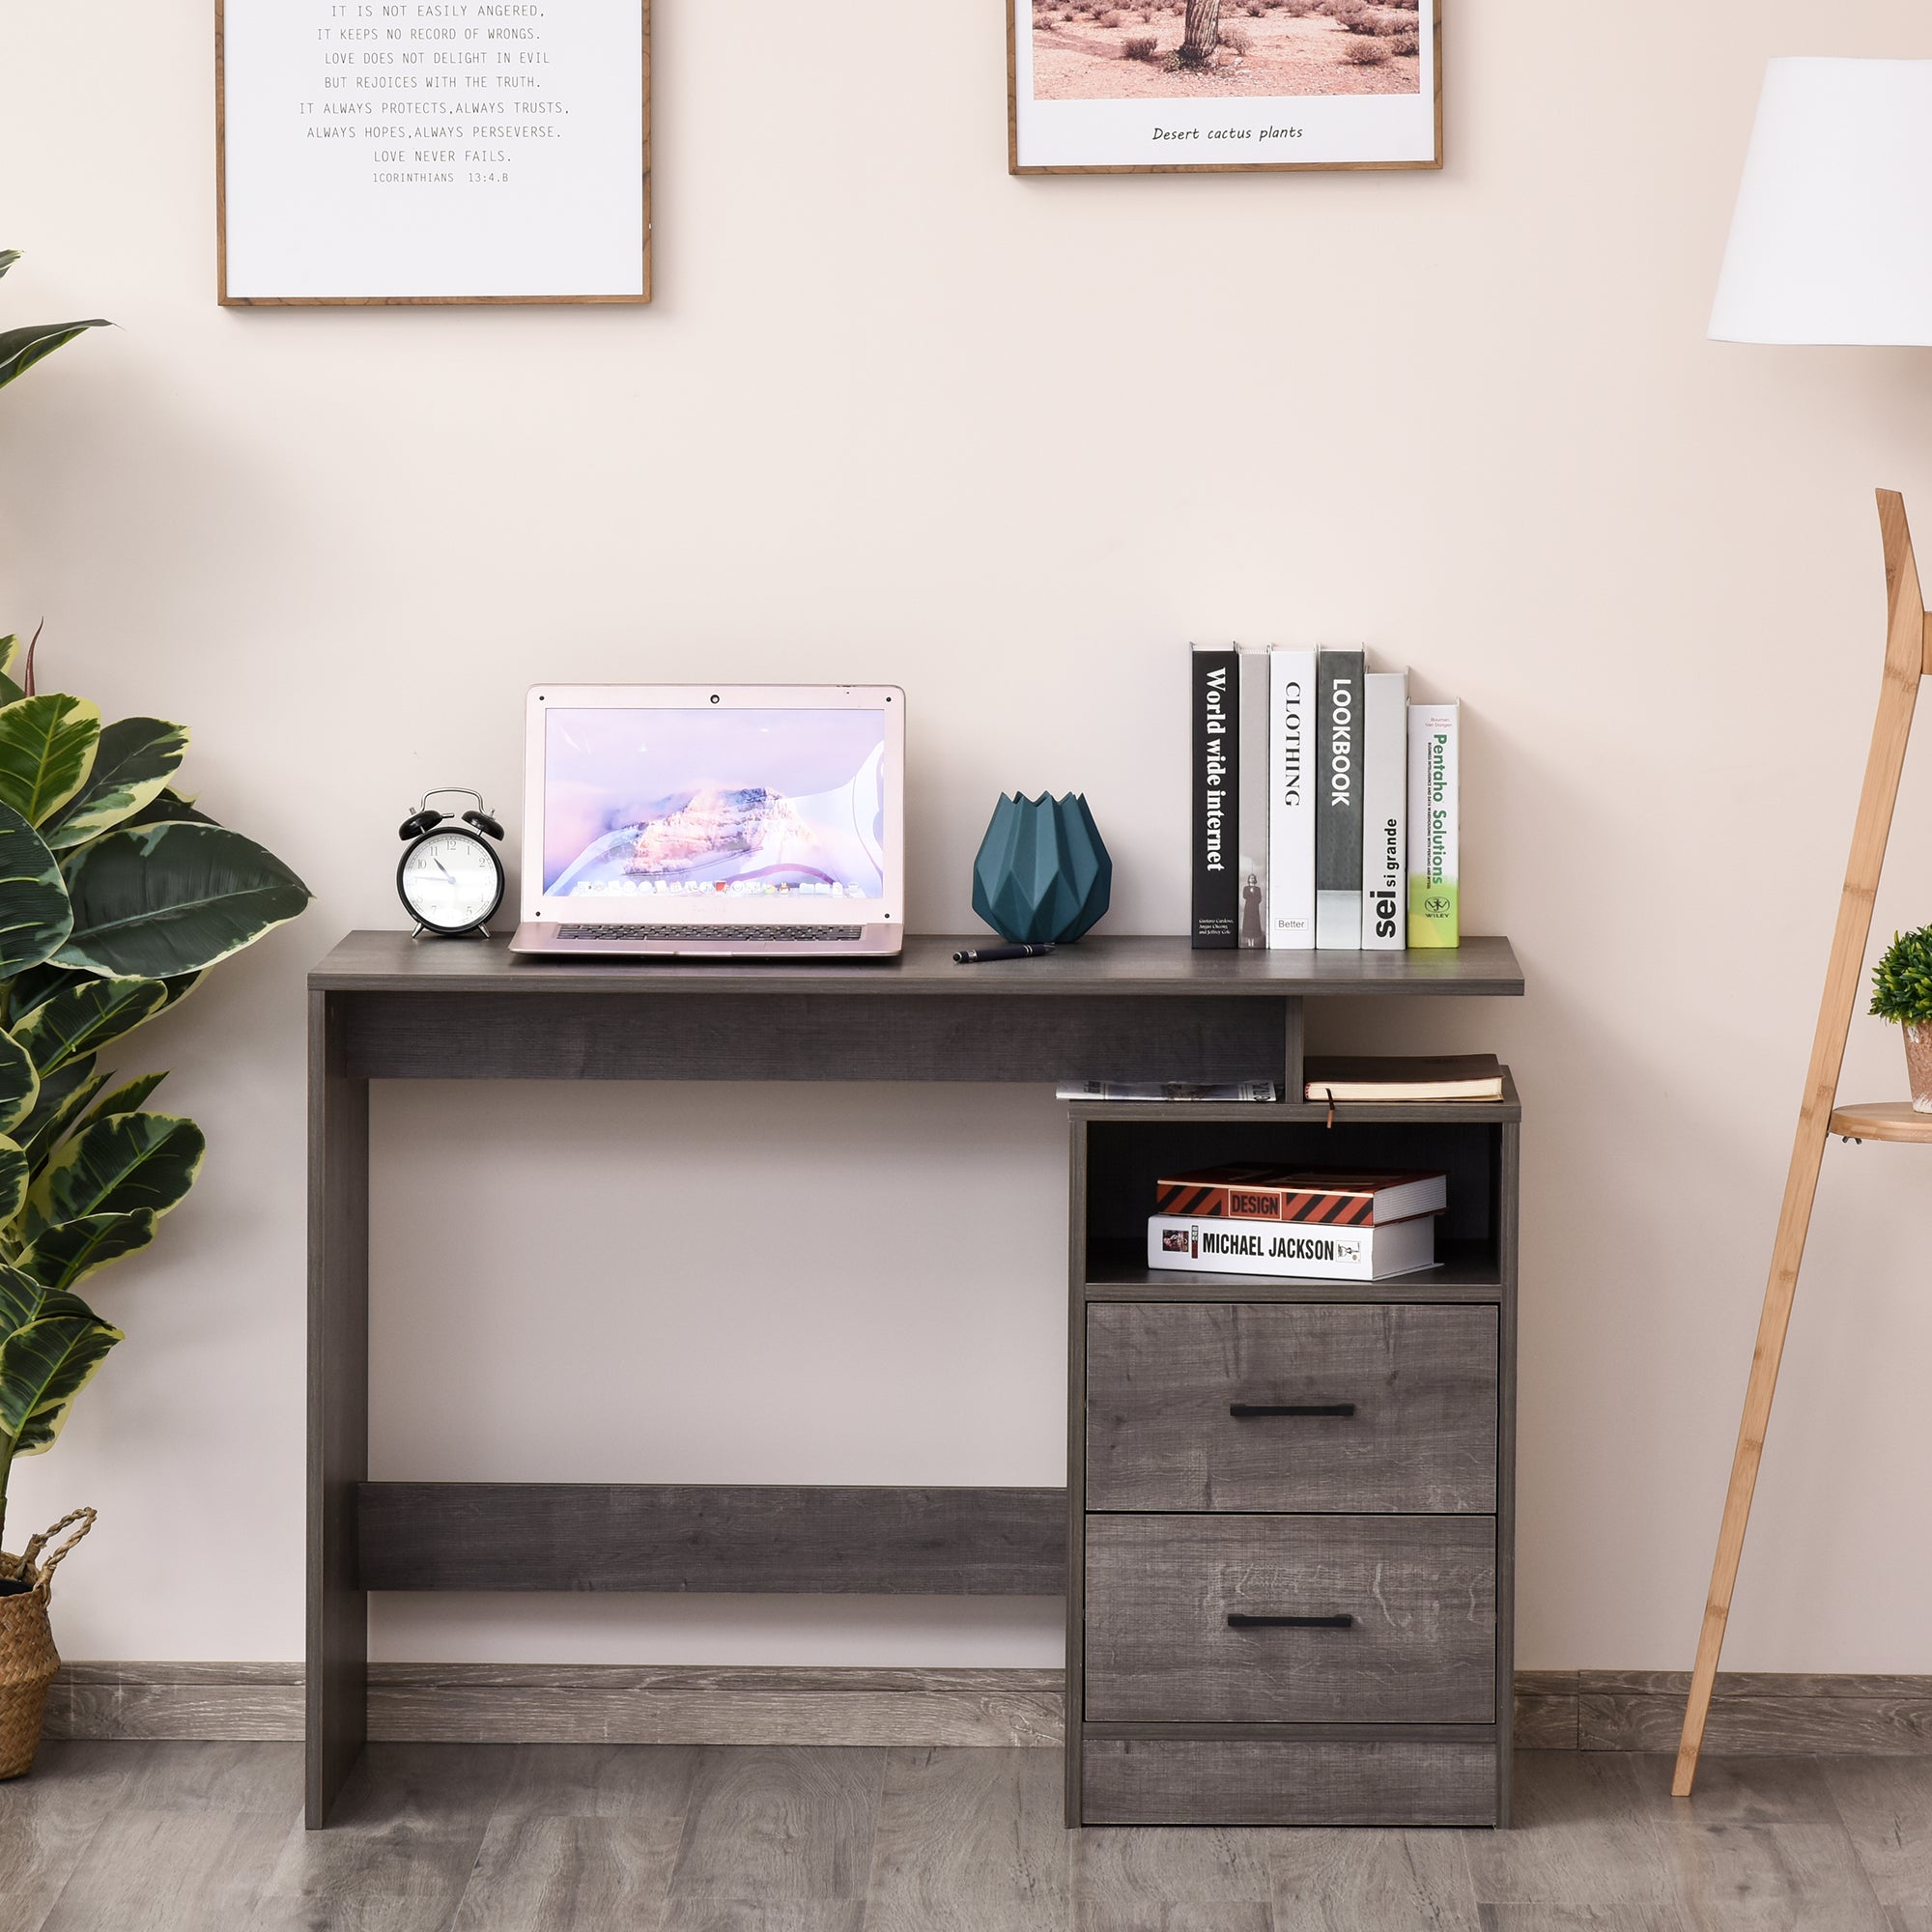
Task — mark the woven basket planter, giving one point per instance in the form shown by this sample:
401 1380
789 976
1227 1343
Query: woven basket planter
28 1659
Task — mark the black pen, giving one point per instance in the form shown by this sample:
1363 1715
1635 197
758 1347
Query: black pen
975 955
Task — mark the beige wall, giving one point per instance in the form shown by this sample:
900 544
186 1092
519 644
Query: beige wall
1010 444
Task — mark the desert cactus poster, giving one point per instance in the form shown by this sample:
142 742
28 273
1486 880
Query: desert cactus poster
1153 85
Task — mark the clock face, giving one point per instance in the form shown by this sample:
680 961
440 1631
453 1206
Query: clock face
450 881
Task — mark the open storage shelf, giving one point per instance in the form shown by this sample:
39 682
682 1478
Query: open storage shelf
1129 1148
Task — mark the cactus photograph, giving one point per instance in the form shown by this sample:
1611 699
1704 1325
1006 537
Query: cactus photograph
1192 50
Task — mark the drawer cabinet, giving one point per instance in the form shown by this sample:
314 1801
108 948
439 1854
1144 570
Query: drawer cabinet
1292 1502
1278 1619
1243 1405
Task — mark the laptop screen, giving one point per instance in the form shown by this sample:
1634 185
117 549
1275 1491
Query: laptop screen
675 802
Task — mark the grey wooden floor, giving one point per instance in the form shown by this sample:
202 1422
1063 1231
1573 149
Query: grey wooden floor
149 1837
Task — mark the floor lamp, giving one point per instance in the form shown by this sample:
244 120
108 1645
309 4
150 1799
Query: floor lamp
1831 242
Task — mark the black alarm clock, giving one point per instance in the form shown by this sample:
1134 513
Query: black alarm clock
451 880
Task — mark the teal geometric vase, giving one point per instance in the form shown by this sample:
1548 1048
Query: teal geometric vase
1043 872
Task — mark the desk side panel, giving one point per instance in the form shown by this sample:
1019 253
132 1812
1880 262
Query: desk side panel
336 1722
1509 1188
1079 1130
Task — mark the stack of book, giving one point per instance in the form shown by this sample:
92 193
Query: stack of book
1382 1077
1285 1221
1375 1077
1326 804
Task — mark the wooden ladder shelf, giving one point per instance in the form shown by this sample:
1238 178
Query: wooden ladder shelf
1908 657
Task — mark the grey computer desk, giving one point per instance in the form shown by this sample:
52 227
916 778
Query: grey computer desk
384 1007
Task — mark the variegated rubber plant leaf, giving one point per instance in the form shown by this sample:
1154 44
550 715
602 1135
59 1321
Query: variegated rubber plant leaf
132 764
69 1253
36 914
21 347
127 1099
22 1298
43 1368
84 1016
65 1094
169 808
38 985
161 901
113 1166
15 1177
20 1083
51 1344
46 751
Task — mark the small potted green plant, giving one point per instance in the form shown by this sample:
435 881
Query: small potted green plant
117 894
1902 992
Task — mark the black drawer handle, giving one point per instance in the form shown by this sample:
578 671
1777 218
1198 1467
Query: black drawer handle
1243 1409
1238 1621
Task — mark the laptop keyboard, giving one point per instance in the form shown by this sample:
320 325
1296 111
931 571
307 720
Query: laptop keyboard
701 932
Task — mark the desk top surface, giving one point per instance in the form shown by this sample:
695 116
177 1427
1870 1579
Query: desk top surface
395 962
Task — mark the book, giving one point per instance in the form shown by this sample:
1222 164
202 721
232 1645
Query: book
1434 893
1327 1254
1250 812
1338 800
1304 1195
1385 811
1214 751
1454 1076
1290 742
1165 1090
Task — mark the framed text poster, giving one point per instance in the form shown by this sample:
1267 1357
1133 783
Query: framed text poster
375 151
1157 86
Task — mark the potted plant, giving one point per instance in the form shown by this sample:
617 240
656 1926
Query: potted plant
1902 992
116 896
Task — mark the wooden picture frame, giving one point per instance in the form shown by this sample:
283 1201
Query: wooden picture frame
1108 110
498 238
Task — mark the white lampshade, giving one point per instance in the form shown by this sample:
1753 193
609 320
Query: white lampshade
1832 237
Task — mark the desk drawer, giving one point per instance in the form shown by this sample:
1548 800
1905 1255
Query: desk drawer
1419 1384
1286 1781
1393 1619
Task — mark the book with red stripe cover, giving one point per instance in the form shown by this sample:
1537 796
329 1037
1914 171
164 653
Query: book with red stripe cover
1327 1198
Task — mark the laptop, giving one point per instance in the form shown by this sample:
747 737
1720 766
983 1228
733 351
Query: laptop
714 821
